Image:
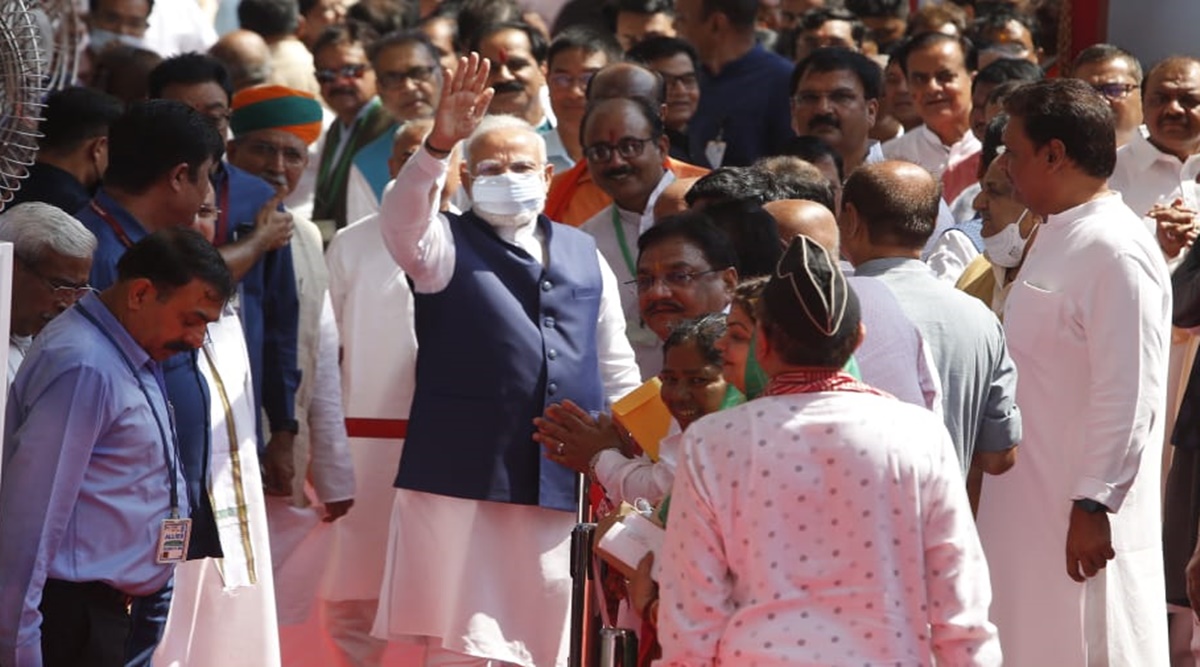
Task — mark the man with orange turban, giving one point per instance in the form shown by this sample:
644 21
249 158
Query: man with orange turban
272 128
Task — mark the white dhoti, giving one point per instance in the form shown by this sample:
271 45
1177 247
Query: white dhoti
223 610
489 580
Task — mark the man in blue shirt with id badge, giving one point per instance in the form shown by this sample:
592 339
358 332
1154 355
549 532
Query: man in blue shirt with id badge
93 504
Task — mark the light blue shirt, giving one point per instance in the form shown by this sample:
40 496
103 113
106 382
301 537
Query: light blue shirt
85 474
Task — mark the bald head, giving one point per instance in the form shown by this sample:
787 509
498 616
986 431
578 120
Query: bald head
796 217
896 201
626 80
246 55
672 199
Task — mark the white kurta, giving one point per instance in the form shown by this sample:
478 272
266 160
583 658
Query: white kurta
360 196
223 610
511 604
924 147
829 528
1088 324
1146 176
647 347
374 310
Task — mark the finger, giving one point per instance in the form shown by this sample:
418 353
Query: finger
483 101
1073 569
479 73
1089 567
579 412
556 433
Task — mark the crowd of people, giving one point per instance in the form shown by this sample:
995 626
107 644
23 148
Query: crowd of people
388 266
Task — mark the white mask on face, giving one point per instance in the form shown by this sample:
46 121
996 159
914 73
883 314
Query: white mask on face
1006 247
98 38
509 200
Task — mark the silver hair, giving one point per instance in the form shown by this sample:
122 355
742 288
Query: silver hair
36 229
425 124
496 123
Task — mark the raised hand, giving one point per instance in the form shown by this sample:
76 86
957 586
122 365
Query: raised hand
465 99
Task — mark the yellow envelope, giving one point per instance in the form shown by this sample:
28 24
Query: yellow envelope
644 415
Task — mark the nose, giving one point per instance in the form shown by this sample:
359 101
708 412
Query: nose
980 202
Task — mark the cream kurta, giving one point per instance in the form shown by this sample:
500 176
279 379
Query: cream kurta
647 347
223 610
829 528
374 310
1088 324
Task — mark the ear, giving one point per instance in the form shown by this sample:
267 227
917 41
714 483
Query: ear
99 147
729 278
140 292
862 335
872 112
178 176
230 149
464 175
664 146
301 27
549 175
1056 154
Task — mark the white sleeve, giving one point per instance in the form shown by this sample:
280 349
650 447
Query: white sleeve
414 232
360 196
950 255
332 468
626 479
956 574
618 366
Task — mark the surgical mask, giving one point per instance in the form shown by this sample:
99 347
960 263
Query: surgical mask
99 38
509 193
1006 247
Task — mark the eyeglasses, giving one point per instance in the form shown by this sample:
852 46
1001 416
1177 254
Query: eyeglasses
344 72
271 152
564 81
672 280
63 290
627 147
688 81
1114 91
394 80
208 211
495 167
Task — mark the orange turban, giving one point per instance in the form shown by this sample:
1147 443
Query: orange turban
268 107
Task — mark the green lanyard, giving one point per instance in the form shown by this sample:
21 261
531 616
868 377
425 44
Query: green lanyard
620 229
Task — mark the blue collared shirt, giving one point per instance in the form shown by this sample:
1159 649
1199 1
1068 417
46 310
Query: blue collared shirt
747 106
86 480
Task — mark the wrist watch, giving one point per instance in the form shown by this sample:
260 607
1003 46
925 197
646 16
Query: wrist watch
289 426
1090 506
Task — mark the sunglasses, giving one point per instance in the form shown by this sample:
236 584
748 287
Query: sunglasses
345 72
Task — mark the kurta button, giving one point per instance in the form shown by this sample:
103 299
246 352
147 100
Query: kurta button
552 388
549 322
552 354
547 285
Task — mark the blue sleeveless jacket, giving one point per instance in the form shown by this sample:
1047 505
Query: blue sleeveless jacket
505 338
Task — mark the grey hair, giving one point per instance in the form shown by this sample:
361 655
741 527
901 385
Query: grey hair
36 229
496 123
425 124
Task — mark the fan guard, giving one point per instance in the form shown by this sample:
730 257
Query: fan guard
22 89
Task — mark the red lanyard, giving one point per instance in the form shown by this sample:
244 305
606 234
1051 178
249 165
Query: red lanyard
223 216
811 380
112 222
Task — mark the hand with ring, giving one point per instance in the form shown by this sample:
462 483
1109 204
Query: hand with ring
572 437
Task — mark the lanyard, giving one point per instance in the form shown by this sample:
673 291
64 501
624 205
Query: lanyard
620 229
112 222
220 238
172 462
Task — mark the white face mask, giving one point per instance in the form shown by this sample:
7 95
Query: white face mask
98 38
509 200
1006 247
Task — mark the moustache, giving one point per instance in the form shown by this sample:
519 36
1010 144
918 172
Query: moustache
664 306
824 121
617 172
343 90
508 87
